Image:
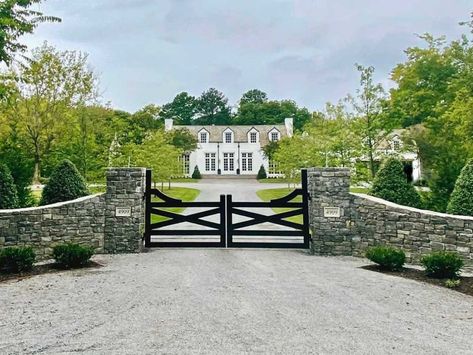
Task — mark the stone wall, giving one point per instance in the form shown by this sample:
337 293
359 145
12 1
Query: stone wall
366 221
78 221
90 220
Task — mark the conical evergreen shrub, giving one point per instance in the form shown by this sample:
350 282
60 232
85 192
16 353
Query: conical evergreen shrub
261 173
65 183
461 200
390 183
8 192
196 173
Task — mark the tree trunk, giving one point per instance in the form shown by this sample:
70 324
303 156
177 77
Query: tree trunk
37 171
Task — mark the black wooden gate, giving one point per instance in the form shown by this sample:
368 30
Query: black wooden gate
238 224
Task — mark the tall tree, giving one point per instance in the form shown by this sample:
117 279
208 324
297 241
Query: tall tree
182 109
52 83
253 96
373 127
17 19
212 108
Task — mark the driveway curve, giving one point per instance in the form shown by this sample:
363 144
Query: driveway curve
214 301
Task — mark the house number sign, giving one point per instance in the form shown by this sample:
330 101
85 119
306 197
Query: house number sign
332 212
123 212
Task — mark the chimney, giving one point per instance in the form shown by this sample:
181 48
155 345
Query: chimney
168 122
289 122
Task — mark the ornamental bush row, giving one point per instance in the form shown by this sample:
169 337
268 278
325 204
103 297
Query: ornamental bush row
441 264
67 256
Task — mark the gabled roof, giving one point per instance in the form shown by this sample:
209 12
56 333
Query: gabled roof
240 132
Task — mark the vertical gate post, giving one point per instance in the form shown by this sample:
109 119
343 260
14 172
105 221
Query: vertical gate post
305 208
147 234
223 220
229 221
124 210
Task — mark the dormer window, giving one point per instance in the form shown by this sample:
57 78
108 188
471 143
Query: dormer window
228 136
253 137
274 136
396 145
203 137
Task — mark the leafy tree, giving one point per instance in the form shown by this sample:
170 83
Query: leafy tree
461 201
254 96
212 108
16 20
390 183
65 183
271 113
183 139
145 120
8 193
182 109
53 82
270 149
367 103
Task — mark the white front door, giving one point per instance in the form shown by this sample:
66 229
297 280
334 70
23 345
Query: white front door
247 162
228 163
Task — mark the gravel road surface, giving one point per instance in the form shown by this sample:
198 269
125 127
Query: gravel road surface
219 301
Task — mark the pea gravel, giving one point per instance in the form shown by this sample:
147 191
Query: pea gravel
213 301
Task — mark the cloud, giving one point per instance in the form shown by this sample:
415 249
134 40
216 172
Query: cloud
149 50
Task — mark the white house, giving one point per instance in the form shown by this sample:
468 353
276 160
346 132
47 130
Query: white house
232 150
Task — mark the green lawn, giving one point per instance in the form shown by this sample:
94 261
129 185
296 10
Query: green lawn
359 190
182 193
271 194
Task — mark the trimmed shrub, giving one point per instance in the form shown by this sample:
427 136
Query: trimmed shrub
17 259
65 183
8 192
390 183
442 265
461 200
387 258
261 173
196 173
72 255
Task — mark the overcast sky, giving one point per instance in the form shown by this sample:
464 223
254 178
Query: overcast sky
147 51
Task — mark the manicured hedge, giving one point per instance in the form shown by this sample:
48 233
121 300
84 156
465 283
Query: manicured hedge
196 174
8 192
65 183
387 258
17 259
72 255
262 173
461 200
442 264
390 183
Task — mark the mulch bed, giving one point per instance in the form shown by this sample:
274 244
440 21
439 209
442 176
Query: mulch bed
40 270
466 284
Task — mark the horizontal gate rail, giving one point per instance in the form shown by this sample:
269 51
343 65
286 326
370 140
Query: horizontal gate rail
180 237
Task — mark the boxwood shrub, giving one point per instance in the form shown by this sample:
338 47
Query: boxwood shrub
387 258
261 173
442 264
196 174
65 183
17 259
390 183
71 255
461 200
8 192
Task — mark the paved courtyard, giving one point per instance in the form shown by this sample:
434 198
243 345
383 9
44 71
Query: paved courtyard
219 301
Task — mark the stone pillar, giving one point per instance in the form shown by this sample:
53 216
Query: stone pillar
124 210
330 211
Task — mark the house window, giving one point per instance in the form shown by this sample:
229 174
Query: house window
273 168
247 161
203 137
253 137
396 145
274 136
228 137
210 161
185 164
228 161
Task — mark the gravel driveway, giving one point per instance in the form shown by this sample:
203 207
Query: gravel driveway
230 301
